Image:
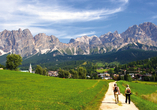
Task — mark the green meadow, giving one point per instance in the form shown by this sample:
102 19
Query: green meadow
144 93
103 70
26 91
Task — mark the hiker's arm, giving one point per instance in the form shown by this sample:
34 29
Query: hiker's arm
119 90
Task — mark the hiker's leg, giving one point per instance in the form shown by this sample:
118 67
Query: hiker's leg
129 98
117 98
126 98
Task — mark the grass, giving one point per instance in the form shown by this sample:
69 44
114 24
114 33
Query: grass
99 64
146 82
103 70
144 95
25 91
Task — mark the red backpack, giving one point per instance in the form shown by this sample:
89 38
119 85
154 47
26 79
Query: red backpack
128 90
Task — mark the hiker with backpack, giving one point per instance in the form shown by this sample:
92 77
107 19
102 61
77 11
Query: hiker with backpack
116 93
127 93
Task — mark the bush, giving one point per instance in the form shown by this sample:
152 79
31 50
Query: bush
63 73
13 61
82 73
40 70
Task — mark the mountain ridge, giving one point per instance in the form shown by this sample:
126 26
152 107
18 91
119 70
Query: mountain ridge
22 42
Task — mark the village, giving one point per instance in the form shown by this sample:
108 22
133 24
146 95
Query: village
135 75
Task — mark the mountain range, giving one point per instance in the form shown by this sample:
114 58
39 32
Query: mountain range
142 36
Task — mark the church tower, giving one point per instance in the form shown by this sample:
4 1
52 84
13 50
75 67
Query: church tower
30 68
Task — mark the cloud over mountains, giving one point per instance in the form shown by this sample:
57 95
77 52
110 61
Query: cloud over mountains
52 16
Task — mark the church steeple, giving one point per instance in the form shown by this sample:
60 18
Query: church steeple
30 68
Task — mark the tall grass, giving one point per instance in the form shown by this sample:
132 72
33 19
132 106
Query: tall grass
146 82
142 94
28 91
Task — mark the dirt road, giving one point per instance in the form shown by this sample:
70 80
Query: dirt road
109 102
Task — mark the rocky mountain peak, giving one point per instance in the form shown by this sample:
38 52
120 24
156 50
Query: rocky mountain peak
20 30
116 32
22 41
72 40
19 42
150 29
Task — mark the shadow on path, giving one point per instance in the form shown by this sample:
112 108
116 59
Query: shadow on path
109 102
112 103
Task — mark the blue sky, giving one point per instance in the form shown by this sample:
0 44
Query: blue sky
68 19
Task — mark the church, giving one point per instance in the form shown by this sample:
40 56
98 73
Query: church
30 68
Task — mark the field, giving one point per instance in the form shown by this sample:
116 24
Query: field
103 70
144 94
28 91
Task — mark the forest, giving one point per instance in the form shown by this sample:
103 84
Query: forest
72 61
137 61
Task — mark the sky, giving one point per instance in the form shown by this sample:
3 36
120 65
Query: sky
68 19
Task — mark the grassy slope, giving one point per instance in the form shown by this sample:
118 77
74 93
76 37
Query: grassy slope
103 70
138 90
122 57
30 91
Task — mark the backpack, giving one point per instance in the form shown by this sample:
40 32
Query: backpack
128 90
116 89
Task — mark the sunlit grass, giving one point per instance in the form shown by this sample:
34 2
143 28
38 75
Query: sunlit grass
151 97
144 94
146 82
103 70
28 91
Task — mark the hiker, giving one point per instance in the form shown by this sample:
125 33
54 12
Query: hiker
116 93
127 93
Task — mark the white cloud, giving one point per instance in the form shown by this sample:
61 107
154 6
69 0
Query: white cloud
85 34
123 1
32 14
51 13
80 35
59 13
154 17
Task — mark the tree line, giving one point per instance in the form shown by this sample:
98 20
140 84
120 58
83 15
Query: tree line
143 67
80 73
14 60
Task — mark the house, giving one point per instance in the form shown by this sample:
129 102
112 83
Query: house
116 75
88 76
1 68
104 75
141 77
53 73
148 74
24 71
132 75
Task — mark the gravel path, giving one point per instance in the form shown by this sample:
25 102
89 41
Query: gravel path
109 102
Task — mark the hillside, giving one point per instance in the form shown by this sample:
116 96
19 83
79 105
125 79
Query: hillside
32 91
71 61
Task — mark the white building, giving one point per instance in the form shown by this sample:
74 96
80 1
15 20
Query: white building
30 68
104 75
